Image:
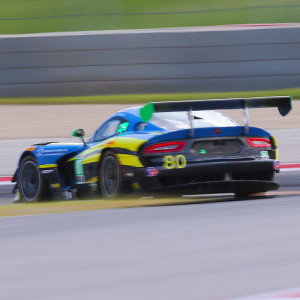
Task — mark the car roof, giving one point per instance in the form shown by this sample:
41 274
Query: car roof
209 115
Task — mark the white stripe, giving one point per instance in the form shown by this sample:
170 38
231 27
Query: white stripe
155 30
290 169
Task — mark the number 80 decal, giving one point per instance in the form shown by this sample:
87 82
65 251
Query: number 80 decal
172 162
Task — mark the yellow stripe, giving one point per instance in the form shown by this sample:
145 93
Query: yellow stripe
92 149
92 180
129 160
47 166
273 140
132 144
128 143
86 155
92 159
71 159
276 154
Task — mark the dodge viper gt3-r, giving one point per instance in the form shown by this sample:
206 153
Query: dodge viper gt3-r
184 147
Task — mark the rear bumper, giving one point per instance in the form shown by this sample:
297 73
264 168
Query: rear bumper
225 181
240 166
209 187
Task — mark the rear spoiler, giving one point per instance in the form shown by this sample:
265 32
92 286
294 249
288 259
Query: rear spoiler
283 103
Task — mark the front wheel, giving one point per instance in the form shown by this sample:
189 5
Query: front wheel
30 183
110 176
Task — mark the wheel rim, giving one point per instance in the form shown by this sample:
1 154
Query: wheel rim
30 180
110 177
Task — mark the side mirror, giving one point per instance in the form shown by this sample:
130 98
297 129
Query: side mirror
79 132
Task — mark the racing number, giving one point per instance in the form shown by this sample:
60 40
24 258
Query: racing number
172 162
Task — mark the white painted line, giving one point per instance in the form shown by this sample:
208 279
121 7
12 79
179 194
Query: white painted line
291 294
290 170
157 30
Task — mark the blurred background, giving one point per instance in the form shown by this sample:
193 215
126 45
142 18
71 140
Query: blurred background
209 47
30 16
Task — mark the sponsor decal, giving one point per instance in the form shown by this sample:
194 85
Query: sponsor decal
80 179
44 152
276 165
151 172
202 151
136 186
40 152
78 170
123 127
47 171
264 154
78 166
55 185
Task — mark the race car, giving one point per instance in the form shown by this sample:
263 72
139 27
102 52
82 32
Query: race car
177 147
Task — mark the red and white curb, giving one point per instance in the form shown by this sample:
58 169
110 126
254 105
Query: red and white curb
5 180
290 167
293 294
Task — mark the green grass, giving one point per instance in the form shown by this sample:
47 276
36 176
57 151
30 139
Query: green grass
19 209
19 16
145 98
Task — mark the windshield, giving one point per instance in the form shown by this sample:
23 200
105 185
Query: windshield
179 120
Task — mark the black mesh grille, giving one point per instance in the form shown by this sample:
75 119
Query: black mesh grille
217 147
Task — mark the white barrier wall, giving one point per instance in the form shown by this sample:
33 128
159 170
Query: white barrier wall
150 61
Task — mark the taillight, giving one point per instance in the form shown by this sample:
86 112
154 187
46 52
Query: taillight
165 147
259 142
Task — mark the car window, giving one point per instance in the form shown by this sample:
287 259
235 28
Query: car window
108 129
179 120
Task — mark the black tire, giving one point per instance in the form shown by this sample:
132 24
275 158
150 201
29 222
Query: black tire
30 183
110 176
240 196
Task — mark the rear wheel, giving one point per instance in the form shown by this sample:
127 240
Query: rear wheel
239 196
110 176
30 182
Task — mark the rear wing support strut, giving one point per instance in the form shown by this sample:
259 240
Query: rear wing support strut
246 120
191 121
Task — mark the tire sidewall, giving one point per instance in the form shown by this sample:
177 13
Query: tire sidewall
108 156
26 161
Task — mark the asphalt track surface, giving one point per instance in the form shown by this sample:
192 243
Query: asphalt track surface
221 250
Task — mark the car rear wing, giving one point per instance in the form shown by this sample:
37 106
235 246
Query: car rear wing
283 103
